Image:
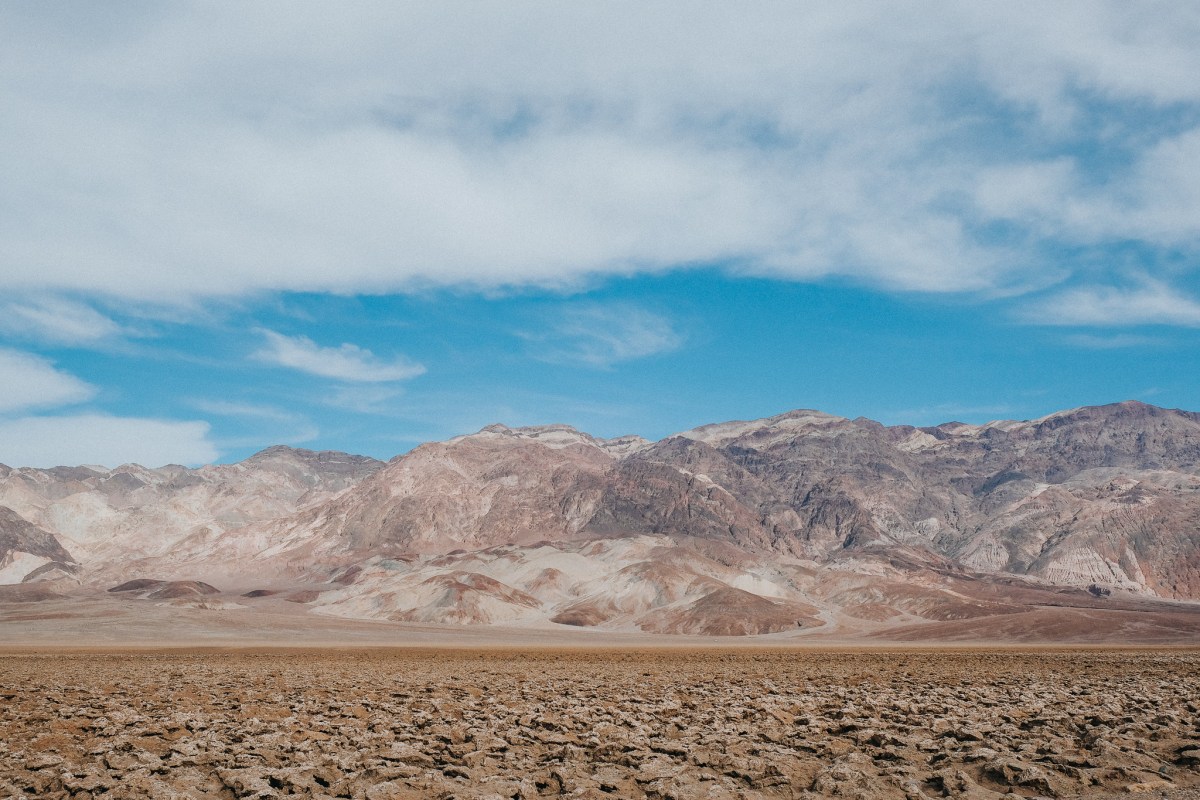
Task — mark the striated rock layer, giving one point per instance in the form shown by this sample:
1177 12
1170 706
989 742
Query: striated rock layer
792 524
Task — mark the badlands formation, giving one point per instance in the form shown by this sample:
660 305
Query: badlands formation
1083 526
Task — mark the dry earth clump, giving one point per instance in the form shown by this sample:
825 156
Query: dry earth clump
665 723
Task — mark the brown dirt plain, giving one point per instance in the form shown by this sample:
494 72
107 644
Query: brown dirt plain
647 722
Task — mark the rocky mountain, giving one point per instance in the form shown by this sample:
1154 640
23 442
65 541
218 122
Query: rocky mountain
28 552
1105 494
112 519
802 521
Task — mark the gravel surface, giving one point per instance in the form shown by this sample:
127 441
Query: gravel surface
668 723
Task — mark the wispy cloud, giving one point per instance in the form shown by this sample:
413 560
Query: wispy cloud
347 362
1147 302
1092 341
30 381
363 399
275 425
55 320
226 408
602 335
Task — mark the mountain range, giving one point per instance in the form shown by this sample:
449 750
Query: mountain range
803 523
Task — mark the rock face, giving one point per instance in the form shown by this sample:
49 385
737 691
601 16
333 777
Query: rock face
114 520
797 522
496 487
1106 494
27 551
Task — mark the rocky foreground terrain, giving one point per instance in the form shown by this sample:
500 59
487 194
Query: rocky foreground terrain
666 723
800 524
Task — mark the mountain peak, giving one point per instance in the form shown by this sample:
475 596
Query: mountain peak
1123 408
553 435
763 431
274 450
283 451
556 436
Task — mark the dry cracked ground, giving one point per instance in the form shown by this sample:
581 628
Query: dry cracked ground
600 724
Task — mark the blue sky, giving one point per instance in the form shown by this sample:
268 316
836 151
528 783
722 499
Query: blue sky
226 226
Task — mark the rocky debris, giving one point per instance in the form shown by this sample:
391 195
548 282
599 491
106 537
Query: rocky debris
591 724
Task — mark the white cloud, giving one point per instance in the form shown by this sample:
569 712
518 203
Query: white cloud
71 440
1091 341
32 382
600 336
1149 302
57 320
226 408
349 362
363 399
208 150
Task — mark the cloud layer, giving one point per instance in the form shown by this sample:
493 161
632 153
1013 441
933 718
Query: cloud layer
176 177
199 150
99 439
592 335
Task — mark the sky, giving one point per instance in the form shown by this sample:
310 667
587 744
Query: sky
363 226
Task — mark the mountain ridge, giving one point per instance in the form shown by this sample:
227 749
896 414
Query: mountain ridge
825 522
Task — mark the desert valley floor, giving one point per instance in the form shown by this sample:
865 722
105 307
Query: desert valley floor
799 606
618 722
